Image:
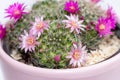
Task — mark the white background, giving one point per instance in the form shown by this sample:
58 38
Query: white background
5 3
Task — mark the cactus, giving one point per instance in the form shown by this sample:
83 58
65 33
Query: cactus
51 9
91 13
57 40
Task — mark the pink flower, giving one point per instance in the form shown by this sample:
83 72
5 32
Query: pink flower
15 11
72 6
88 27
28 42
103 27
77 55
82 18
95 1
2 32
39 26
74 23
57 58
111 17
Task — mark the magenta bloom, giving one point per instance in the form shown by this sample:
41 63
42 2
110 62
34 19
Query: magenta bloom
57 58
77 55
28 42
2 32
103 27
39 26
15 11
74 23
111 17
72 6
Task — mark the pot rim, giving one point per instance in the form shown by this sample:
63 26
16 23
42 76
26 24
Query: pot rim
89 71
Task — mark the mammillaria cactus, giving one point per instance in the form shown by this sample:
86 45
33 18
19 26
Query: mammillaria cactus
59 34
57 40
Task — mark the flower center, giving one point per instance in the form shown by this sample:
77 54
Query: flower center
102 27
40 25
76 55
74 24
17 12
30 41
72 8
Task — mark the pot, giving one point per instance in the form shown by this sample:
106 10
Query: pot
14 70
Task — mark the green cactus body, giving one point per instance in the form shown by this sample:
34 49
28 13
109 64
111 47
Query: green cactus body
57 40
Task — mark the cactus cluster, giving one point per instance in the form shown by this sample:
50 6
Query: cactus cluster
90 12
52 9
57 40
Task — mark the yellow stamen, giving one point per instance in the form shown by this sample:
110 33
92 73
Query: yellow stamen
16 12
76 55
74 24
102 27
40 25
30 41
72 7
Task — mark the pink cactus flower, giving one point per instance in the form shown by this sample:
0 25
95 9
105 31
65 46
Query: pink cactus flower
39 26
88 28
103 27
82 18
111 17
74 23
2 31
28 42
77 56
57 58
15 11
72 6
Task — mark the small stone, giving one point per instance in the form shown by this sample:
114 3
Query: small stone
16 55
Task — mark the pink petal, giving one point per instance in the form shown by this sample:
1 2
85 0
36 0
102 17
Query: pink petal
72 29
